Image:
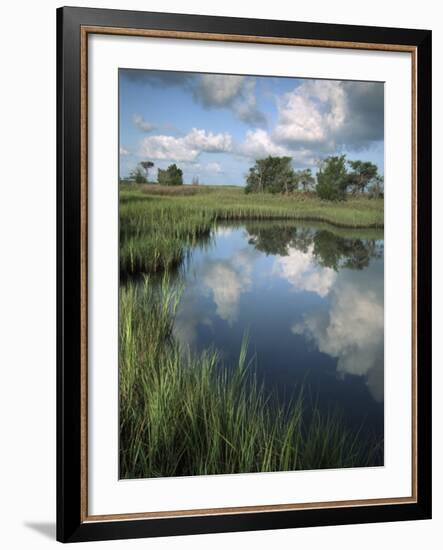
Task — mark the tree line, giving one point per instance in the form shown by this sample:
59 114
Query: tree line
336 178
172 175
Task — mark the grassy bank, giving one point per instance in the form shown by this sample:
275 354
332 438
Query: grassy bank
158 224
154 237
191 415
230 203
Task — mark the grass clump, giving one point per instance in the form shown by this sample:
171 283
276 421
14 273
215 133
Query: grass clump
156 238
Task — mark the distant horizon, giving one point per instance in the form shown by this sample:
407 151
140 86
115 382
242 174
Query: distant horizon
190 184
215 126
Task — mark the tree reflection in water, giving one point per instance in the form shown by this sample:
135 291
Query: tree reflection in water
329 248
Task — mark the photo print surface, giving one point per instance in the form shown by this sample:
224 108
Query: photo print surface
251 307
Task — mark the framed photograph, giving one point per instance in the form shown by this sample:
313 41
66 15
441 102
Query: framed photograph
244 274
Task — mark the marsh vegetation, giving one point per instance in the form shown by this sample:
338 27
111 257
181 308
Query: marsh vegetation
189 407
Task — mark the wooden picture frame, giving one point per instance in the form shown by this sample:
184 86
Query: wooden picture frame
74 25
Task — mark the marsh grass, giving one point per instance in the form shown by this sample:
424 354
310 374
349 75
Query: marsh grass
189 414
159 226
153 238
174 190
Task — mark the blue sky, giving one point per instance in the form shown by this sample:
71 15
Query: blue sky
215 126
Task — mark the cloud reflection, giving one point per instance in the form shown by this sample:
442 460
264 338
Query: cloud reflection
345 318
351 329
303 273
226 280
186 325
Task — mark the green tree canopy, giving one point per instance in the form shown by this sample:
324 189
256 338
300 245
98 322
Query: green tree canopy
171 176
332 178
271 175
363 173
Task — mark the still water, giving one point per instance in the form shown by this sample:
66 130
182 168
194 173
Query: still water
311 301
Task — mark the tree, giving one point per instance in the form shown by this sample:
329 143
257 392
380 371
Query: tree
305 178
271 175
138 174
332 178
147 165
171 176
378 187
361 176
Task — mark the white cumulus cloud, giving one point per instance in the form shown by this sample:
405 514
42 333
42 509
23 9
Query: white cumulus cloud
186 148
259 144
207 141
326 115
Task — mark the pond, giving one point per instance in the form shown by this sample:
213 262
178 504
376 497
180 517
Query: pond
310 300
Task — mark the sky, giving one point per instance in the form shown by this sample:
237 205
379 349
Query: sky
214 126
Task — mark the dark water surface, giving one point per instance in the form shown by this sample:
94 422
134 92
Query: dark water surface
310 299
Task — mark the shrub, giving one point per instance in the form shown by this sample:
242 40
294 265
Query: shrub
171 176
272 175
332 179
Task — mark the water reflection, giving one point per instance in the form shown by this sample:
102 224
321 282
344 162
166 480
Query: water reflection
328 248
300 269
227 279
311 299
350 328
